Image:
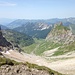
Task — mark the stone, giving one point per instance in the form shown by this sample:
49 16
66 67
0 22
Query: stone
21 70
4 43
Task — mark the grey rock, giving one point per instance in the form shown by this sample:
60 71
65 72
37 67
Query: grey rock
21 70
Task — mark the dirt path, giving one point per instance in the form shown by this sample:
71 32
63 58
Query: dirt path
63 66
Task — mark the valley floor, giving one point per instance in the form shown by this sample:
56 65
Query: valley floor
65 66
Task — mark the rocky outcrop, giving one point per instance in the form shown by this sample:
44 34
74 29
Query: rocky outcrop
21 70
61 34
4 44
3 41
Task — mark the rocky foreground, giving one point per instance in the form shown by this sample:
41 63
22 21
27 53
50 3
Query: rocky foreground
21 70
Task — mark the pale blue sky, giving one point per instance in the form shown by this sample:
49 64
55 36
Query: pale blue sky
37 9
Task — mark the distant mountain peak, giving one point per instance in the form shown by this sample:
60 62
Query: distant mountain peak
58 24
61 34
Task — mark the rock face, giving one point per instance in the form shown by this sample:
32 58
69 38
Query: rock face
21 70
3 41
0 32
61 34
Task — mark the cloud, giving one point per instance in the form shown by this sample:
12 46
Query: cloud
7 4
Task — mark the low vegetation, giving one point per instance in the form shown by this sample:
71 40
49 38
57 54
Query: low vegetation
31 48
18 38
4 61
61 27
40 46
65 49
73 28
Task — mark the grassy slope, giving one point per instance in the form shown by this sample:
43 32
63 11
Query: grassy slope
65 49
5 61
44 46
61 27
40 46
18 38
73 28
29 49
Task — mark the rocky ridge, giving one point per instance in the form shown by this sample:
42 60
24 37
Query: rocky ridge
21 70
61 34
37 29
4 44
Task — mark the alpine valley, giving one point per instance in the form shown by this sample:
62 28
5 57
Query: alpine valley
38 47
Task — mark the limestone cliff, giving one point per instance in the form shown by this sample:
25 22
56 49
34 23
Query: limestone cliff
60 34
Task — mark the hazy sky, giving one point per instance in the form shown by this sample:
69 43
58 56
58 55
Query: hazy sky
37 9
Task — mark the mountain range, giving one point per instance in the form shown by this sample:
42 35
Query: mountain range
19 22
38 28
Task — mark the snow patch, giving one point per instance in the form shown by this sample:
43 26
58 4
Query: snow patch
10 50
7 52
